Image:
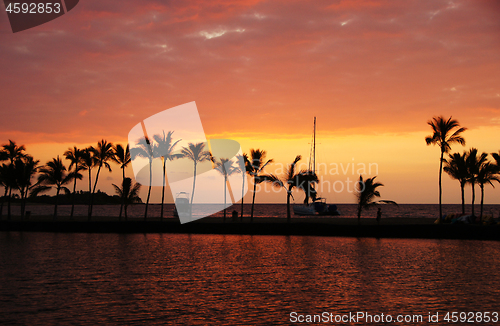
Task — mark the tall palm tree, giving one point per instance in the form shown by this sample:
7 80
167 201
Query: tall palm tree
456 167
164 147
88 162
255 169
297 179
226 168
129 192
144 149
444 134
366 192
75 156
488 173
242 162
24 169
103 153
53 174
121 157
474 163
197 154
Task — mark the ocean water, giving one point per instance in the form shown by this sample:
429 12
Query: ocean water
263 210
180 279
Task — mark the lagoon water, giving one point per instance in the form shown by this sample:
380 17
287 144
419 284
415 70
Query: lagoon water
262 210
50 278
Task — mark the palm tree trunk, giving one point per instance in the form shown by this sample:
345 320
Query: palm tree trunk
473 196
288 215
123 198
23 203
8 203
93 191
149 191
194 183
126 216
73 201
242 195
55 206
90 190
482 202
359 212
440 187
3 199
462 186
163 192
253 197
225 184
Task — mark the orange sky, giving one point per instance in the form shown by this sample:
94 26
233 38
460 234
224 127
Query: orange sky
372 72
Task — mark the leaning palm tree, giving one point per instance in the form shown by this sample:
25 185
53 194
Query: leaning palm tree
255 169
75 156
129 192
366 192
25 169
144 149
488 173
164 147
197 154
226 168
474 163
103 153
444 134
456 167
53 174
303 180
122 158
242 162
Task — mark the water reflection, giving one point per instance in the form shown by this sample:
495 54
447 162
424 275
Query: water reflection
201 279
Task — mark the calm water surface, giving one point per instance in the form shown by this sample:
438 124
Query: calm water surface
263 210
48 278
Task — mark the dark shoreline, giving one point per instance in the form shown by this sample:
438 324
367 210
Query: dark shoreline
390 228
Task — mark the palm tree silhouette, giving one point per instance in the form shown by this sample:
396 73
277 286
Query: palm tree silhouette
226 168
129 192
144 149
12 152
8 179
53 174
88 162
254 169
122 157
456 167
445 133
474 163
24 169
488 172
164 148
102 154
197 154
303 180
242 162
75 156
366 192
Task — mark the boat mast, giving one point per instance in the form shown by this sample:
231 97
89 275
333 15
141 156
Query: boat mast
314 147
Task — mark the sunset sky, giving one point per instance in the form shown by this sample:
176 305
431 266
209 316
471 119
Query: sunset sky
372 72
